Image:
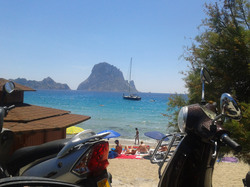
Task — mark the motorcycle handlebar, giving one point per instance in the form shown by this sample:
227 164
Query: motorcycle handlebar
3 112
8 108
11 107
227 140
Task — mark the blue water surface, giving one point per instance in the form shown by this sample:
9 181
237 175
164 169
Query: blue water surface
108 110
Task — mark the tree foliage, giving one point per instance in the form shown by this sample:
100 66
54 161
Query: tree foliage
175 102
223 47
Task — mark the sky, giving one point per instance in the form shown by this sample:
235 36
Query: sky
64 39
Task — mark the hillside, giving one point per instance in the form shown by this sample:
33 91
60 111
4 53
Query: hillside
46 84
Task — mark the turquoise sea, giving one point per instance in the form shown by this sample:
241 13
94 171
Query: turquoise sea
108 110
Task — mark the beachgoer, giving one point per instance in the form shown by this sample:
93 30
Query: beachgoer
114 152
126 149
142 148
133 151
118 147
129 151
136 135
163 148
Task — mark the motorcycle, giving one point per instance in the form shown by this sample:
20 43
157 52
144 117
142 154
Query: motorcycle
246 180
33 181
81 160
191 161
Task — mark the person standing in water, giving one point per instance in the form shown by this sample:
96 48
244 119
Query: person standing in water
136 135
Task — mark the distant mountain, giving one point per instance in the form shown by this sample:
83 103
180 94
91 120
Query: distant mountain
106 77
46 84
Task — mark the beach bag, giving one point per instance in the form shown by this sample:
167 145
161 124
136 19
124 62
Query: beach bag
112 154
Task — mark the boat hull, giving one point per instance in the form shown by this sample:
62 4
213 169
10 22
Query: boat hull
129 97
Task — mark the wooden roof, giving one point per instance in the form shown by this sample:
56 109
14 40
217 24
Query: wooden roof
18 87
26 113
25 118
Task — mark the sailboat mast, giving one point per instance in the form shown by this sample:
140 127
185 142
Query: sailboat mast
130 73
131 96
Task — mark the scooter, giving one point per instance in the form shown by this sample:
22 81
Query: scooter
33 181
81 160
191 162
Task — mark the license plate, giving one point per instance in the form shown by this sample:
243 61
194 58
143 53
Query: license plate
103 183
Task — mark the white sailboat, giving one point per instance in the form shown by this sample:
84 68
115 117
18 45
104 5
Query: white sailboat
131 96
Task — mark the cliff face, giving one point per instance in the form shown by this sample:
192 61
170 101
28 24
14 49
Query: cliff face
45 84
105 77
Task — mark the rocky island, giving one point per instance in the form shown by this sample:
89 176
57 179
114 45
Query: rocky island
46 84
106 77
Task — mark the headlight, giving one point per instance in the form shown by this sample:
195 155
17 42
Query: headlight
182 118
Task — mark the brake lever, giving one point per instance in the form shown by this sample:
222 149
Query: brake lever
215 150
7 109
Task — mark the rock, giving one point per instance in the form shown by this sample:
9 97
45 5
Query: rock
106 77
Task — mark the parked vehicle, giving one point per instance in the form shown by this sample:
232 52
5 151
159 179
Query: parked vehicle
246 180
191 162
81 160
33 181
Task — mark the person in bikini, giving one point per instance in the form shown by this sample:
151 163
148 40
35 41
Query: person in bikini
128 151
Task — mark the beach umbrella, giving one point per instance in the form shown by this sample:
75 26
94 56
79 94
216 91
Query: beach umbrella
113 134
74 130
156 135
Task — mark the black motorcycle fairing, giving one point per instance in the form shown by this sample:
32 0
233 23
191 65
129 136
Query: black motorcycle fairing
26 155
191 165
199 123
6 142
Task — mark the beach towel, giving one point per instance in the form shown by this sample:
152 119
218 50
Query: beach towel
228 160
123 156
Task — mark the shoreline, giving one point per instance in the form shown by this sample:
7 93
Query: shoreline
131 142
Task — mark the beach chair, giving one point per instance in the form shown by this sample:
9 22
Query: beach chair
161 157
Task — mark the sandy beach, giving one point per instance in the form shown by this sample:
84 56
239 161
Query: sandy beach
141 173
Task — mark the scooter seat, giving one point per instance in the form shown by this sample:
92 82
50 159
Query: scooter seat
26 155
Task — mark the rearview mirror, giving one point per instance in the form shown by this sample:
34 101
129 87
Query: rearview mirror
229 107
9 87
205 76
